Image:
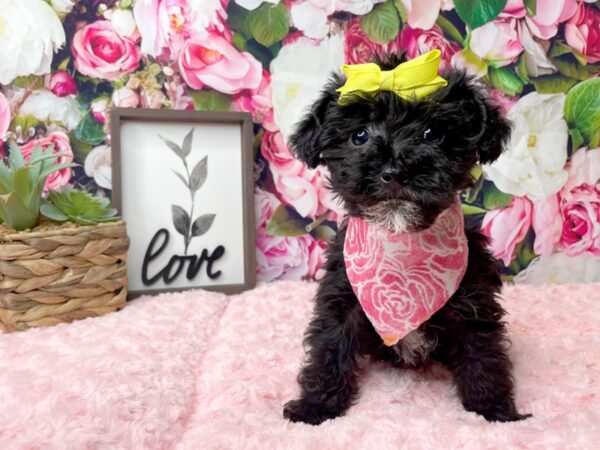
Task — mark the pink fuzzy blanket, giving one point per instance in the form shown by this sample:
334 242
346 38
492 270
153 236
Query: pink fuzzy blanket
199 370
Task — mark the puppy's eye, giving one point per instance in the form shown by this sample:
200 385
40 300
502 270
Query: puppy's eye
433 135
360 136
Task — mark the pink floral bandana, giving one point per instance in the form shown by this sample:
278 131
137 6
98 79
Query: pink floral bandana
401 279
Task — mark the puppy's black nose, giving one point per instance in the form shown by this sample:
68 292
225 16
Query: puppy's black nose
389 174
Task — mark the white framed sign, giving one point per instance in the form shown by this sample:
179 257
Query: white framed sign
183 182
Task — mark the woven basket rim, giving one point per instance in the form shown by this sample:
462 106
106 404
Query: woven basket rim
75 229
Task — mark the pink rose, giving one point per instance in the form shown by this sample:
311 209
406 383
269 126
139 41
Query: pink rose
568 217
547 225
277 153
582 32
61 144
62 84
99 109
171 23
4 116
581 221
101 52
497 42
279 257
507 227
504 101
548 15
214 62
416 42
125 98
327 201
358 48
178 96
258 102
422 13
299 192
580 204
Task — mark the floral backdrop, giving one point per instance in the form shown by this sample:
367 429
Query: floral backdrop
65 63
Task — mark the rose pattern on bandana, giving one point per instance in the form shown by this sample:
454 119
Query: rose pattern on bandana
402 279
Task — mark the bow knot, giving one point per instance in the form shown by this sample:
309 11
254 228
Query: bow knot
411 80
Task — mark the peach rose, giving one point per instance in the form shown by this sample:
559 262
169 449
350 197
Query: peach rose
125 98
507 227
61 144
214 62
101 52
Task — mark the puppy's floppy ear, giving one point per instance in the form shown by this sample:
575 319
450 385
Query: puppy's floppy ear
306 141
488 130
495 131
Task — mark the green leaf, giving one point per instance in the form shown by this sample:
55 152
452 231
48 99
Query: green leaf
286 222
402 12
210 100
505 80
382 24
239 41
493 198
324 233
582 109
576 138
22 184
530 7
52 212
269 24
472 193
15 213
15 157
552 84
478 12
89 131
29 82
237 19
471 210
450 30
521 70
571 68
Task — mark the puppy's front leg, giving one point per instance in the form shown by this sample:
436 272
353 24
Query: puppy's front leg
328 381
482 372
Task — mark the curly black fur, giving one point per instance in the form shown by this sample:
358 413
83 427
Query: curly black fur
468 333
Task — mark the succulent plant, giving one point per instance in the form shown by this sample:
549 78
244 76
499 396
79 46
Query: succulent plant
22 184
77 206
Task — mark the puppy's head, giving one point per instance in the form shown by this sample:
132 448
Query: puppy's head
400 163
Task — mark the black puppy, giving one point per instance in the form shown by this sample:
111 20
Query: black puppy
399 164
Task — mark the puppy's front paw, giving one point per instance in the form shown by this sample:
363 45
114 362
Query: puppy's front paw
303 410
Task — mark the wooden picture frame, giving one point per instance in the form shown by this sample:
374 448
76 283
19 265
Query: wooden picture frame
161 156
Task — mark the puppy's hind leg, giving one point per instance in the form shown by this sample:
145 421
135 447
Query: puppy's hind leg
328 381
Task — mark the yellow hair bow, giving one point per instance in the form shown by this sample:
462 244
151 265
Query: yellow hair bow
411 80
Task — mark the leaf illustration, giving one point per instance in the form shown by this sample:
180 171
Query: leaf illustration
198 176
186 147
181 177
202 224
173 146
181 220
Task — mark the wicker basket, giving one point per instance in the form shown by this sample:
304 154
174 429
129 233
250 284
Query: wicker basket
62 274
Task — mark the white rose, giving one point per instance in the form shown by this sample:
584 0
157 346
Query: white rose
47 107
253 4
123 21
30 33
358 7
62 7
97 166
534 163
561 269
536 61
125 98
298 74
310 19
